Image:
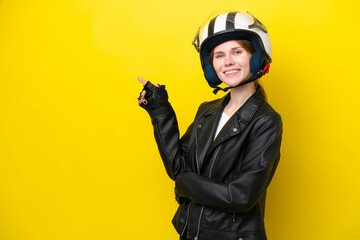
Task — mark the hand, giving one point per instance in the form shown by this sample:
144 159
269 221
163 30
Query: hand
152 97
179 198
142 99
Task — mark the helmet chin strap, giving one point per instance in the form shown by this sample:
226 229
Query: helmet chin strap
254 77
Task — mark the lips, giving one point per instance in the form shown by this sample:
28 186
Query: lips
231 72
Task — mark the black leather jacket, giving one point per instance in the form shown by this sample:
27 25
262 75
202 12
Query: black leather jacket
221 184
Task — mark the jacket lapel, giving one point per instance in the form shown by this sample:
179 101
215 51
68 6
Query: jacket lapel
208 123
206 127
243 115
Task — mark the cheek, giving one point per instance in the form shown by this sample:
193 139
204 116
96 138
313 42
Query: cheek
245 63
216 66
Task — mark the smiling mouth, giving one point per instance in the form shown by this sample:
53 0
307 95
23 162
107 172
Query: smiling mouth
232 71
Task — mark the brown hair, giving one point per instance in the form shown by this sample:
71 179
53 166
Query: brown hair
246 44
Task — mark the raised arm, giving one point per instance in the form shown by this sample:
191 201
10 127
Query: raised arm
154 99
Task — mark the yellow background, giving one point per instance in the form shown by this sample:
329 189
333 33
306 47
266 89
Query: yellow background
77 155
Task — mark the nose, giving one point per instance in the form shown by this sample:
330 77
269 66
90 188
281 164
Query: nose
229 60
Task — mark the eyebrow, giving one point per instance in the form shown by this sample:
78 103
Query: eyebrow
231 49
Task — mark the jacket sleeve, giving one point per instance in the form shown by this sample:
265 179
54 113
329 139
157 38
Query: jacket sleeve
166 131
172 149
258 168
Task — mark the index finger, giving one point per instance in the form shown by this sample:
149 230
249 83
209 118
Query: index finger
143 81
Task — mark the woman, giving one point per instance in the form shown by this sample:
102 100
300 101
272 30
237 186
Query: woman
225 161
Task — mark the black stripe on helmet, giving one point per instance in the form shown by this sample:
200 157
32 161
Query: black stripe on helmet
211 27
230 20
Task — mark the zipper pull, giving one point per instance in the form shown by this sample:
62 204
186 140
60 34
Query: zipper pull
233 216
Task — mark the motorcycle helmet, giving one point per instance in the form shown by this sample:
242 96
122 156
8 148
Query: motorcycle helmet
232 25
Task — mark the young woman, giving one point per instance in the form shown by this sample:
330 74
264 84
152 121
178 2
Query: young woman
225 161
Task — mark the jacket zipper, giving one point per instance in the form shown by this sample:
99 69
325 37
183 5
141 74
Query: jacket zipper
198 170
202 208
198 230
212 164
187 219
196 153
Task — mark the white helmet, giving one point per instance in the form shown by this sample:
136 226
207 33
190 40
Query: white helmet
231 26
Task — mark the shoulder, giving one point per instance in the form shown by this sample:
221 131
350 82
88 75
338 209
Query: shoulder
267 117
209 106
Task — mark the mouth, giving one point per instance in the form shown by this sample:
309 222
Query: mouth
231 72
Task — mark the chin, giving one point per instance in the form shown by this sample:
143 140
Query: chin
232 83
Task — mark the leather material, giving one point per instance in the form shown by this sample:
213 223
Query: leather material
221 183
156 97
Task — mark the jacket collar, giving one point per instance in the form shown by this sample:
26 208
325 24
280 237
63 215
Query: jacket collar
247 110
250 107
220 103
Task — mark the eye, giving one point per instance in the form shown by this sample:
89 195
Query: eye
237 52
218 56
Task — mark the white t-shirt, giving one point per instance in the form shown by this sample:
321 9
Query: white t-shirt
223 121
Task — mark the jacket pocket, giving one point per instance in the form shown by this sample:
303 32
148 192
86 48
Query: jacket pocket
217 220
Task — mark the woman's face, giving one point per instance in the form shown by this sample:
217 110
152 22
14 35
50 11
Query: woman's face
232 63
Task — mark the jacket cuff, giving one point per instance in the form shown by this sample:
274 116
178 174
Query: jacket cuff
159 111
